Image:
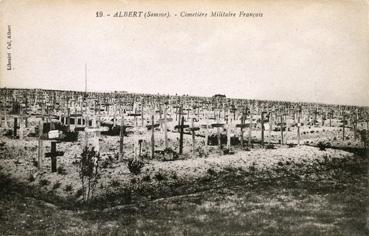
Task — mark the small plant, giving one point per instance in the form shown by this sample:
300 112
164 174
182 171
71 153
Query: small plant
56 185
31 178
291 145
115 183
61 170
68 188
159 177
211 171
323 145
135 166
35 162
146 178
79 193
170 154
44 182
174 175
270 146
228 151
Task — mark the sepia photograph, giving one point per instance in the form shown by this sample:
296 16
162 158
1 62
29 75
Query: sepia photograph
159 117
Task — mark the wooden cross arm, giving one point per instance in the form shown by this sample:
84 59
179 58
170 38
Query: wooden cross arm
58 153
217 125
134 114
181 126
150 126
194 128
242 125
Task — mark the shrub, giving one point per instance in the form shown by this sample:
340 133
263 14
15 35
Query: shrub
135 166
159 177
31 178
115 183
79 193
61 170
146 178
211 172
56 185
270 146
170 154
68 188
323 145
89 171
291 145
44 182
35 162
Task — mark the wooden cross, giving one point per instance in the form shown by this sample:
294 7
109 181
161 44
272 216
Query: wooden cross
242 126
193 129
250 126
181 127
218 126
121 137
152 128
15 127
262 127
53 155
343 126
331 113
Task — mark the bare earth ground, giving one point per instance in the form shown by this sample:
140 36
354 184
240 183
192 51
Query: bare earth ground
331 204
286 191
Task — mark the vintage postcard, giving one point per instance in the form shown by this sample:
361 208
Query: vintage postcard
184 117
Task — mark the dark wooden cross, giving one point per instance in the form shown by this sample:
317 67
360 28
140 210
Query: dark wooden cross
233 110
218 126
331 113
262 127
121 137
242 126
343 125
193 129
53 154
181 127
15 127
298 125
152 128
316 113
135 115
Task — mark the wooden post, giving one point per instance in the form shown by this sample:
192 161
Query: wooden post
152 137
165 127
250 127
228 131
298 126
142 115
40 145
206 135
193 135
53 156
242 125
262 128
121 136
15 127
139 147
343 127
282 129
181 136
270 126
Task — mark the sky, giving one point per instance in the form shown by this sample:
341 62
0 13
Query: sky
314 51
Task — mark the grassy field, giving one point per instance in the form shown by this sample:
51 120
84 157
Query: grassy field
333 204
